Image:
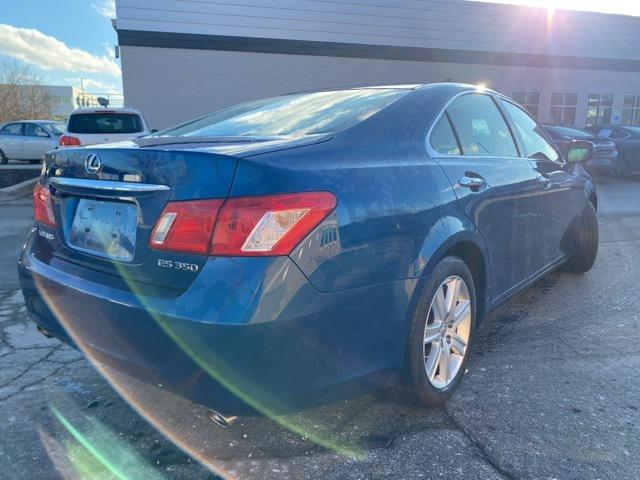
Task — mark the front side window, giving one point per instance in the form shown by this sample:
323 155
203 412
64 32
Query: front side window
12 129
55 129
563 108
480 127
105 123
599 109
529 100
530 133
291 115
32 130
443 140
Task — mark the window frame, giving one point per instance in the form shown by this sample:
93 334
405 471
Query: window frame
600 109
527 104
433 153
544 133
563 107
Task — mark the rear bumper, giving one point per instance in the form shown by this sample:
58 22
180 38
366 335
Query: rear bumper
249 333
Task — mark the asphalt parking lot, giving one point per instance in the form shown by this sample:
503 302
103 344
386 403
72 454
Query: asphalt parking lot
552 391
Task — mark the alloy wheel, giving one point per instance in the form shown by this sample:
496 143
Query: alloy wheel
446 332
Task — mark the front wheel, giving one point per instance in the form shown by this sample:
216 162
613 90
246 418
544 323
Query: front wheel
441 333
585 242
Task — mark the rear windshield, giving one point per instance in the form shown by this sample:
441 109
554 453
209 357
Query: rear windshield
570 132
104 123
291 115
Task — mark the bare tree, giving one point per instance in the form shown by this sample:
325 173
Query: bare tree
21 96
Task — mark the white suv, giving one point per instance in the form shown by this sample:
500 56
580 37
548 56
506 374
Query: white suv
89 126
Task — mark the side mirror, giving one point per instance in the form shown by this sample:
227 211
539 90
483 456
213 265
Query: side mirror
579 151
154 130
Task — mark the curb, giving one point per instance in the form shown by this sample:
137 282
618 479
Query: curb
18 190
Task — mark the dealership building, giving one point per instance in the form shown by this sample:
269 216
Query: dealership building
185 58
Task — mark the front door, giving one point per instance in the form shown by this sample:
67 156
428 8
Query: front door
561 197
35 142
496 187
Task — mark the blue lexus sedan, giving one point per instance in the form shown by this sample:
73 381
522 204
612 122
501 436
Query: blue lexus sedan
297 249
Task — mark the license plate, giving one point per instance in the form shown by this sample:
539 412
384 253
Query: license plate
106 229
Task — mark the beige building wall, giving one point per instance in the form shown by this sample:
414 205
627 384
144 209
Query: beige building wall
171 85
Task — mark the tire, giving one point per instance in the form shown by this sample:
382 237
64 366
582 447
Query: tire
420 388
3 158
585 242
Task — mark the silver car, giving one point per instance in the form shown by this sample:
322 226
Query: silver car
28 139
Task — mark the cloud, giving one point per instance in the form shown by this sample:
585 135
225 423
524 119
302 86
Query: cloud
106 8
94 86
32 46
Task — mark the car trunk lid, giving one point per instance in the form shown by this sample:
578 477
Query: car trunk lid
107 200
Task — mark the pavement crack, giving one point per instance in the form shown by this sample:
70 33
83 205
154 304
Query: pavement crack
32 365
482 452
24 387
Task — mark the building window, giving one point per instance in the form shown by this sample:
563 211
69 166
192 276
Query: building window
563 108
529 100
631 110
599 109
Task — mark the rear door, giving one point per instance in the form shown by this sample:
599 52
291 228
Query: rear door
12 138
562 195
496 187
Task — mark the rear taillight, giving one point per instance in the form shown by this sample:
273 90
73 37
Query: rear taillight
245 226
69 141
269 225
186 226
42 206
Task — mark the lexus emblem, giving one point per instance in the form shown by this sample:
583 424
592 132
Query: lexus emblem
92 163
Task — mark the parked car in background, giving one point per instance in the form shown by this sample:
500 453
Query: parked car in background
326 241
90 126
28 139
627 140
604 158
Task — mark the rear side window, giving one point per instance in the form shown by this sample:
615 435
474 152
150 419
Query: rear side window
443 139
292 115
105 123
530 133
480 127
13 129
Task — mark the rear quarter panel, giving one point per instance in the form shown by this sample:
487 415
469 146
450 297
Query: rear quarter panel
396 208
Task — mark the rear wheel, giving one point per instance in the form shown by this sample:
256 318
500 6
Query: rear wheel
586 240
3 158
441 332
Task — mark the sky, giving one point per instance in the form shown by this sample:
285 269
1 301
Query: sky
63 41
66 40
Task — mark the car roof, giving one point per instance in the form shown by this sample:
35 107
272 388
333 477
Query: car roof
105 110
417 86
31 121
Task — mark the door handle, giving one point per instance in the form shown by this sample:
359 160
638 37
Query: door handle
474 183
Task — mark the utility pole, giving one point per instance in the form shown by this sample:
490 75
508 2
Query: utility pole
84 100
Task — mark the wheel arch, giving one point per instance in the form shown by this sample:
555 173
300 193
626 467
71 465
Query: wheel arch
469 246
